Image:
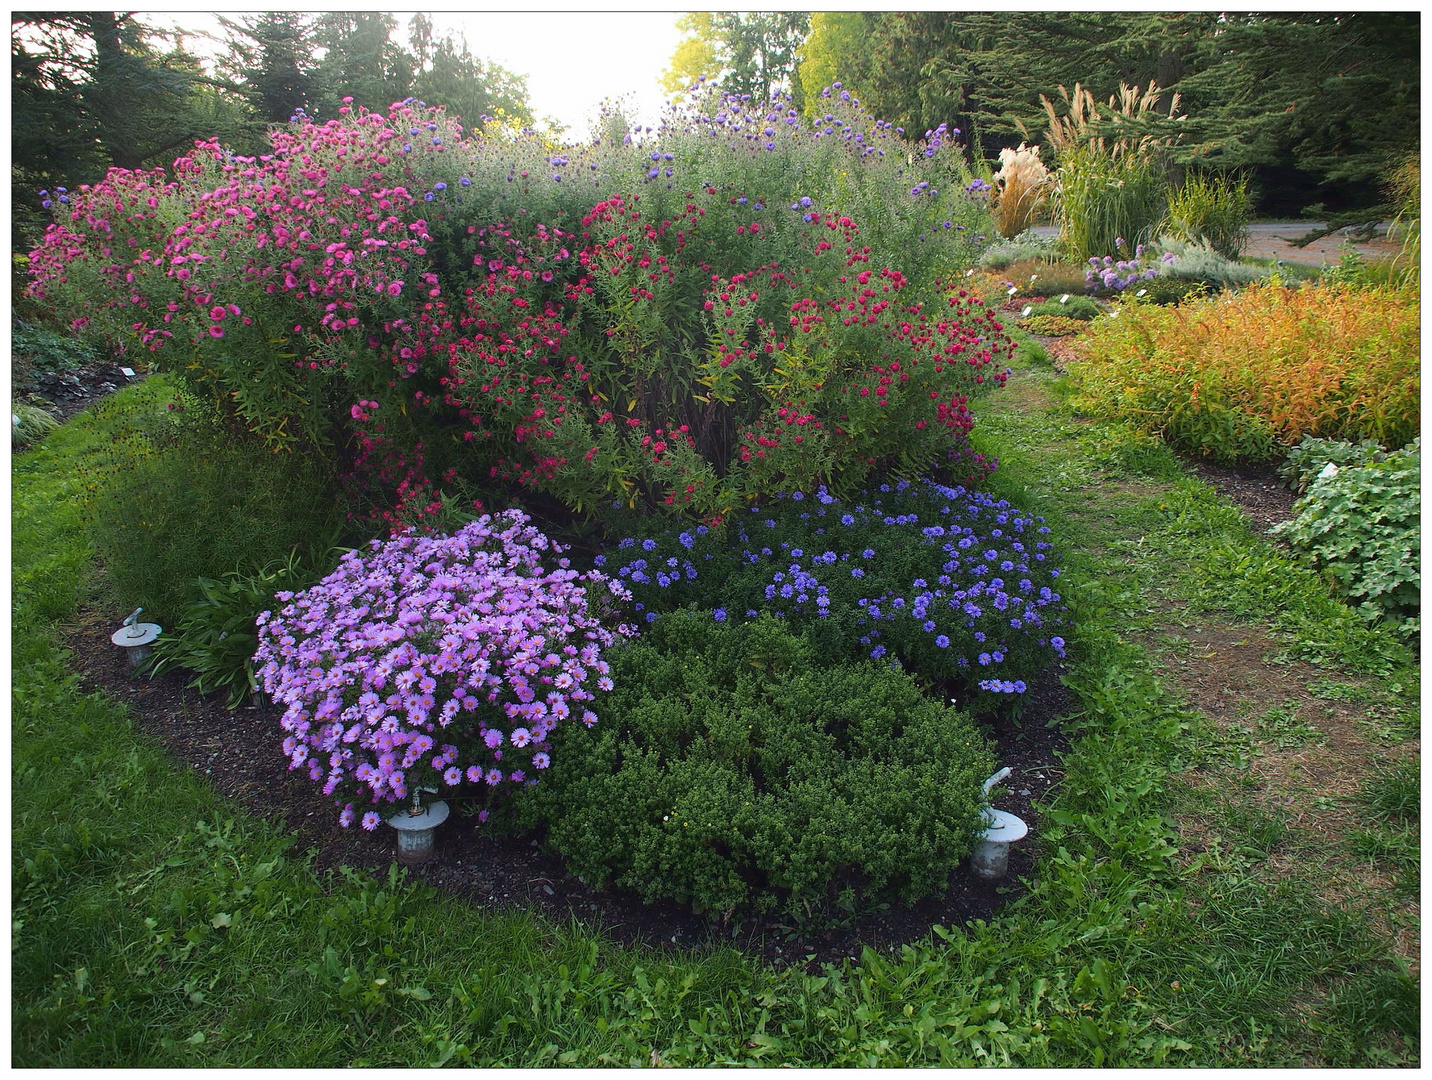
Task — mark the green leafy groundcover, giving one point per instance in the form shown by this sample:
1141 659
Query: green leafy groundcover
1361 523
733 769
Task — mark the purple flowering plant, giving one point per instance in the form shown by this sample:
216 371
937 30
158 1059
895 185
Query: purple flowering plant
953 584
1110 274
437 662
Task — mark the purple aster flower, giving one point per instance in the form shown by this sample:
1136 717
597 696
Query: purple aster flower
370 820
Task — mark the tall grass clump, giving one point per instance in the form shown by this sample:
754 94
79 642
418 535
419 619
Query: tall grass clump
1213 209
1406 187
1112 178
1021 188
1239 376
1104 200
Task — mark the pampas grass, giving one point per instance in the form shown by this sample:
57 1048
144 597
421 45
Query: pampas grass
1021 188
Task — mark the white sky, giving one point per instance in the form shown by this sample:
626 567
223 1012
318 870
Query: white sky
573 59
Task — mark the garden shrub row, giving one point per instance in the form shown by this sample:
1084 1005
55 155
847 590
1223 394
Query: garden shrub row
1240 377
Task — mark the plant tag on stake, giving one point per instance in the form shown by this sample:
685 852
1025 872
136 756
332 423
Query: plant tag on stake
1026 311
1064 299
1141 292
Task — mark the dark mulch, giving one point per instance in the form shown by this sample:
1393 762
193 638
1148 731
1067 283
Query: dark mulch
65 394
239 753
1257 490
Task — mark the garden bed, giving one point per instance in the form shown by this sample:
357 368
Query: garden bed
496 871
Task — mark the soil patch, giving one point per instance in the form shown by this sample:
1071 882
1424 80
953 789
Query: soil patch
238 751
65 394
1257 490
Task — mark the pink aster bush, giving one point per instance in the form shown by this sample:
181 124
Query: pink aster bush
438 662
676 320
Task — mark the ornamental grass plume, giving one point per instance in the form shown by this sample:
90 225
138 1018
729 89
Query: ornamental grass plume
439 662
1021 188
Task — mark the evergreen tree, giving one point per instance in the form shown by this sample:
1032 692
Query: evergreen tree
91 90
468 87
271 54
361 60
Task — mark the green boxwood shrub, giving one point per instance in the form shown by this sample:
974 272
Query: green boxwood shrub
731 772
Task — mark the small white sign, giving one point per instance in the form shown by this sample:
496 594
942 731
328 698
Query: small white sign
128 372
1064 299
1141 292
1026 311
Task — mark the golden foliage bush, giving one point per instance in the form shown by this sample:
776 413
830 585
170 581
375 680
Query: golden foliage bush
1236 377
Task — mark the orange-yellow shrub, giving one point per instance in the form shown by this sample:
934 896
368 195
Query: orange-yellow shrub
1237 376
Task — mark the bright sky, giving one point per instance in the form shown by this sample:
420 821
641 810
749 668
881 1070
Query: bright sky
573 60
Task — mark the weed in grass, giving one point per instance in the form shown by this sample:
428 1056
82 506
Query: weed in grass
1282 726
1391 724
1397 793
1029 353
1385 998
1333 690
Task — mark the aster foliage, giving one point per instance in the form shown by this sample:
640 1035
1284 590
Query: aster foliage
436 662
417 302
953 584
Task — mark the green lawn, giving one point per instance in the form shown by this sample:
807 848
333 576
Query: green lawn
156 925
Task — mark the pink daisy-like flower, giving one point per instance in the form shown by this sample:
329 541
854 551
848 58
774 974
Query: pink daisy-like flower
494 777
370 820
216 331
216 312
521 736
346 817
540 760
452 776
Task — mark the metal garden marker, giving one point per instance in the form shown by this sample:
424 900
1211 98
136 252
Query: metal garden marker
415 828
990 859
135 637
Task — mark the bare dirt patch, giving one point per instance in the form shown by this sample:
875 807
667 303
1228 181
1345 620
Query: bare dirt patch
1292 757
